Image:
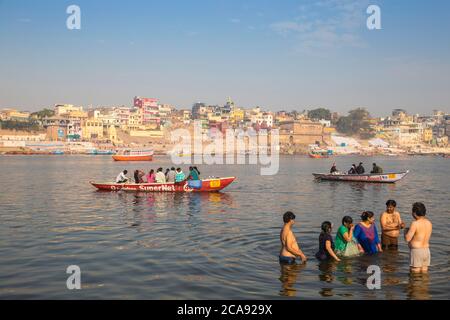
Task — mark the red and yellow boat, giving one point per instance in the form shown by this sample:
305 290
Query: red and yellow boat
134 155
204 185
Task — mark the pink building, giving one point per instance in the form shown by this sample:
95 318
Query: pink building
148 108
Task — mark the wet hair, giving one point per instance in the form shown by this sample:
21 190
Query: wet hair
326 227
391 203
347 219
288 216
419 209
366 215
125 171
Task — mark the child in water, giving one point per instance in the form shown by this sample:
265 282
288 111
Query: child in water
326 244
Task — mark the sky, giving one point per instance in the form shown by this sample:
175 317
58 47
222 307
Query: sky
277 54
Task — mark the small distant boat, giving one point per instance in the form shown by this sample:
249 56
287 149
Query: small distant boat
204 185
95 152
382 178
58 152
134 155
319 154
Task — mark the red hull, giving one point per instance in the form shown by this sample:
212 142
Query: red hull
208 185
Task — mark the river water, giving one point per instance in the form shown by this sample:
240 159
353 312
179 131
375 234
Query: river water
206 246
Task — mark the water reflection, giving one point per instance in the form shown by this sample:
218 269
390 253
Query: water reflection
418 286
288 278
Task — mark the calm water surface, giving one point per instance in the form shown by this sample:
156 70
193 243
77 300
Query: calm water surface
205 246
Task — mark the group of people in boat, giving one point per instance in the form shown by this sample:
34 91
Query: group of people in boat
353 240
357 169
171 175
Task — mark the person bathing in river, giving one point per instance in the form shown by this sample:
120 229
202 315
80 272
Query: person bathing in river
367 235
122 177
326 244
391 223
418 238
345 244
160 176
289 246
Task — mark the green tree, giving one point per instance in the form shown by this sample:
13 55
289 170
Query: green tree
43 113
319 114
356 123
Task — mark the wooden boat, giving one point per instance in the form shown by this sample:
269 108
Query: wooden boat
382 178
317 155
134 155
204 185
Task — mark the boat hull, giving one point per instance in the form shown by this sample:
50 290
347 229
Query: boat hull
379 178
132 158
207 185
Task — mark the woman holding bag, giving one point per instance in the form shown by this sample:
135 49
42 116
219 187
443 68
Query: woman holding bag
345 244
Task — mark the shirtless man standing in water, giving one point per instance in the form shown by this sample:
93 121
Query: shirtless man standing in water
289 247
418 237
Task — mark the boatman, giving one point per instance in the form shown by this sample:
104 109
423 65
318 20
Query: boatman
122 178
289 246
333 168
376 169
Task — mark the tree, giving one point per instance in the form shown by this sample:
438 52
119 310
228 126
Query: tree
43 113
319 114
357 122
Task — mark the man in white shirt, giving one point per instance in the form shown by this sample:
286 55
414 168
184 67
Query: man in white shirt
122 178
160 176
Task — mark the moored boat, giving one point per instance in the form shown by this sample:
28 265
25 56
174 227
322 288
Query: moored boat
204 185
134 155
383 178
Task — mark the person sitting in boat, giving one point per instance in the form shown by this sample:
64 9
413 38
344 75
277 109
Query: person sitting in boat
171 175
138 176
352 169
180 176
151 176
376 169
160 176
360 169
166 174
122 177
193 174
333 168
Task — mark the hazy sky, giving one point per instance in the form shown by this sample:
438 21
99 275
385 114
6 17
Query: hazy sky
281 55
